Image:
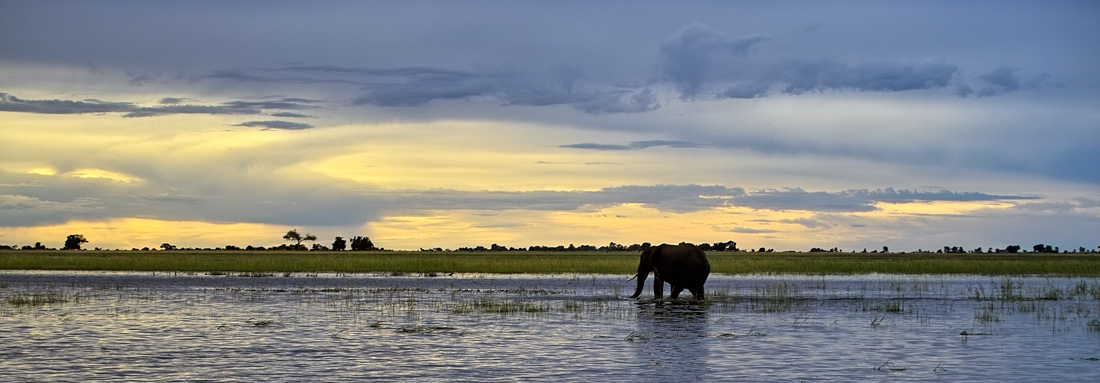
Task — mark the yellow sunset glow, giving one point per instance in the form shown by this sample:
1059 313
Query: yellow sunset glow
100 173
623 223
43 171
938 208
129 233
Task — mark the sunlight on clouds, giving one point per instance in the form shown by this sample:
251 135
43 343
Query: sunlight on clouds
99 173
43 171
468 156
936 208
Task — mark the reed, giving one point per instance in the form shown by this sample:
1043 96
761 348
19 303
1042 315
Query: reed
1083 265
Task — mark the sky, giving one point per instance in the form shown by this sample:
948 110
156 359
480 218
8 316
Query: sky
421 124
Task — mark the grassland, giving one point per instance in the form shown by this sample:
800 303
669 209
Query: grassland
1084 265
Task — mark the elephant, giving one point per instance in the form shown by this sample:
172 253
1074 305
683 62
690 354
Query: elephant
683 266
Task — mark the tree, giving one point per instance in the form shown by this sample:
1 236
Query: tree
361 243
73 241
298 238
339 244
167 246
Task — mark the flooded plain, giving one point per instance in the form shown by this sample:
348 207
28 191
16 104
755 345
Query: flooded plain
114 326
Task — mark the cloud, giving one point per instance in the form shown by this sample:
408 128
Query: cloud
688 55
745 230
684 198
277 125
855 200
189 109
172 100
644 100
802 76
290 115
415 86
698 58
636 145
10 103
1003 79
170 106
223 195
798 76
673 198
284 104
808 223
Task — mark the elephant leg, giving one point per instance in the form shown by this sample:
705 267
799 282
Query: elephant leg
698 293
658 288
676 290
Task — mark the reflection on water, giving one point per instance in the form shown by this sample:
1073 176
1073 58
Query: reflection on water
675 336
86 326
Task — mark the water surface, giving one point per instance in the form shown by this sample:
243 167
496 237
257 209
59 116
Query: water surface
112 326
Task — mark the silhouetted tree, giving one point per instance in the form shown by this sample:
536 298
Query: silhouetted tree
361 244
167 246
724 246
73 241
1012 249
298 238
339 244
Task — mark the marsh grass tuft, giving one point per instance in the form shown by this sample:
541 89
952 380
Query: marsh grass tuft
987 314
37 299
263 322
775 297
635 336
488 305
424 329
1093 325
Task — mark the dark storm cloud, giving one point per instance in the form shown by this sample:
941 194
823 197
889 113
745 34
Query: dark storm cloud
636 145
277 125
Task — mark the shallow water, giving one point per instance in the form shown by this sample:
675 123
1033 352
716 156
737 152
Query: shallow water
88 326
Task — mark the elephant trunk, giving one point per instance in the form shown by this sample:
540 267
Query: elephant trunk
641 283
641 275
644 266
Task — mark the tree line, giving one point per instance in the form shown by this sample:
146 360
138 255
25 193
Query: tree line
362 243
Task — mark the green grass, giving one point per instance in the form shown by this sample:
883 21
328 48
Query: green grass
1083 265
